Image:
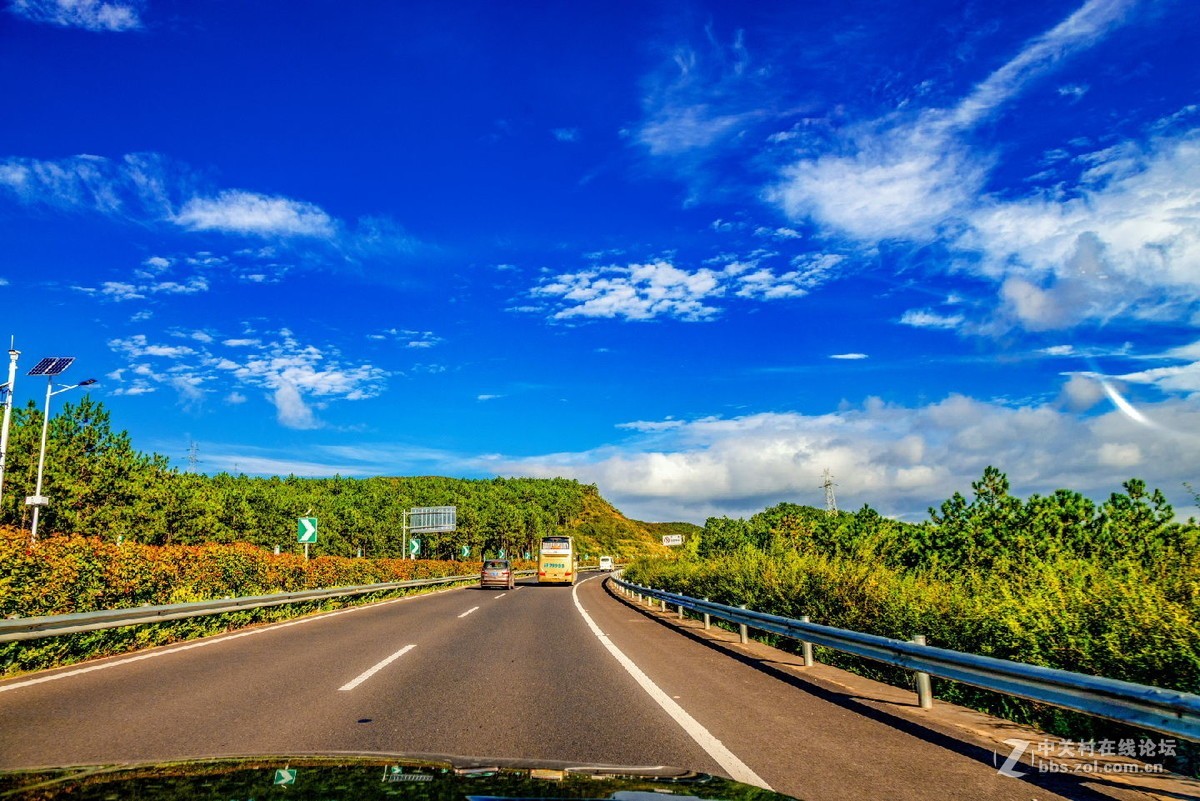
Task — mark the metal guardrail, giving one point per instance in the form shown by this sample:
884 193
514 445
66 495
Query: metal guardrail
33 628
1154 708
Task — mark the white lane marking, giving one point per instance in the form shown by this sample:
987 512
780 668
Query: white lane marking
350 685
469 611
738 770
211 641
501 595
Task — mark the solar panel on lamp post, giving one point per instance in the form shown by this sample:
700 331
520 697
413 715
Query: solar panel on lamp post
50 367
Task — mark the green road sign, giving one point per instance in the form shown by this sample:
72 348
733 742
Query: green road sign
466 551
285 776
306 529
527 556
414 546
501 554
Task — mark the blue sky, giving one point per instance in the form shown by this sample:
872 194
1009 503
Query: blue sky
694 253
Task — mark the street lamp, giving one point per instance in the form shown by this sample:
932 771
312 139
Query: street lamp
13 353
50 367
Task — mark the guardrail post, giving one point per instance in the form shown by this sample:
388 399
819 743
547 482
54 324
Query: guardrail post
807 649
924 685
707 619
742 629
681 611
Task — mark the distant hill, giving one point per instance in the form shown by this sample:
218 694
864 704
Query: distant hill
601 529
103 487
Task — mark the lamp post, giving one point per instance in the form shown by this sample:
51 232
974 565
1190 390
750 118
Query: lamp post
50 368
13 353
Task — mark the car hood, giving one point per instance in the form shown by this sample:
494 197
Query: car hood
367 776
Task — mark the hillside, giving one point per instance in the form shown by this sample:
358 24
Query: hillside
102 487
600 529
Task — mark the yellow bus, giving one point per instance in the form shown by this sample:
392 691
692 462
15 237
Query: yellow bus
556 561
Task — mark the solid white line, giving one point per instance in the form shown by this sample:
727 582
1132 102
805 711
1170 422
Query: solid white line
469 611
350 685
737 769
210 641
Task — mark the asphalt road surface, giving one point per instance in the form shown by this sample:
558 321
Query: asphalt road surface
537 673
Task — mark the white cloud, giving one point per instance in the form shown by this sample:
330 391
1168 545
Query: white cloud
778 233
116 290
134 186
487 397
92 15
651 425
898 459
295 377
1129 231
137 346
924 318
120 291
290 407
849 356
237 211
636 292
1126 244
148 188
1082 29
566 134
701 101
134 390
1081 392
660 289
193 286
902 183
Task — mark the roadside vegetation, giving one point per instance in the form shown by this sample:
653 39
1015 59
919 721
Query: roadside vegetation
99 485
125 529
1110 589
68 574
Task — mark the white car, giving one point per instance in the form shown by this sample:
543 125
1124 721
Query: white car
606 563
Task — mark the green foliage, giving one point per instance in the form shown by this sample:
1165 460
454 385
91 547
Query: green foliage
1110 589
100 486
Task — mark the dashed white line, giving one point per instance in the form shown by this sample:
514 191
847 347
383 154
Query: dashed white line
469 611
208 641
501 595
737 769
350 685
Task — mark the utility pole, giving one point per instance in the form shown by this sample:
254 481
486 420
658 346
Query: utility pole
13 353
830 500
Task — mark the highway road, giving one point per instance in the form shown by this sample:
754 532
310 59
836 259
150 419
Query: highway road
537 673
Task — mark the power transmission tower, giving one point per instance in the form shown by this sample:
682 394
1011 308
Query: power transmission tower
193 457
830 500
